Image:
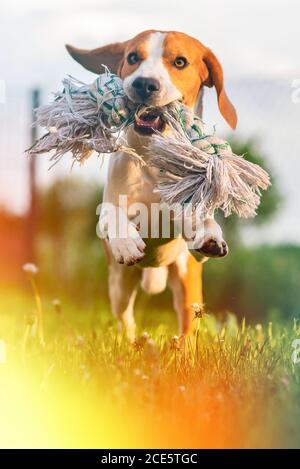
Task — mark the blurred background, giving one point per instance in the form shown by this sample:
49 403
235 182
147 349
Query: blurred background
49 217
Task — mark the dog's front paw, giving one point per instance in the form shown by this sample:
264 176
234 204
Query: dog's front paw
213 246
129 250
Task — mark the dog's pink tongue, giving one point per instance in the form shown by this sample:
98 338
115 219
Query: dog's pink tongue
152 123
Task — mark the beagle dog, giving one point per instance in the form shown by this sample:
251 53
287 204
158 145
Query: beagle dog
156 67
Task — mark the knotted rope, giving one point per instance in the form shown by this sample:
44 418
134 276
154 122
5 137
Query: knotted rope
194 167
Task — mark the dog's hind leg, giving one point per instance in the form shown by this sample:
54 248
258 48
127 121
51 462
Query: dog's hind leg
154 279
123 285
185 281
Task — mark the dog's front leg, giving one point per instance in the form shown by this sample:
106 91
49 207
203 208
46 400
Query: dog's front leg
125 242
205 237
211 242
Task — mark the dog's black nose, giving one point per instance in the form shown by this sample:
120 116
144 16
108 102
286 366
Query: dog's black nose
145 87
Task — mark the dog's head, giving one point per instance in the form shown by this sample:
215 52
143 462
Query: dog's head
159 67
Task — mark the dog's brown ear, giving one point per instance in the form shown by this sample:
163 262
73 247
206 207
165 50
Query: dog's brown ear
110 55
216 79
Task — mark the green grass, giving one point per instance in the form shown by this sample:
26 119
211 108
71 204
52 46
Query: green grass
232 385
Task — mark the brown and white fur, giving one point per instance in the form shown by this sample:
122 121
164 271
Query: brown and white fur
154 72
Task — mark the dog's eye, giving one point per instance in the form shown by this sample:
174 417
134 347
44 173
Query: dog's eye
180 62
132 58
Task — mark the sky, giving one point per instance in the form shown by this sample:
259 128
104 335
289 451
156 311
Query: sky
257 43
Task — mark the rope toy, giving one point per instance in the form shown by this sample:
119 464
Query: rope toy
194 168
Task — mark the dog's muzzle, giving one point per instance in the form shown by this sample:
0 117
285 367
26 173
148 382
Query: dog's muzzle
148 121
145 89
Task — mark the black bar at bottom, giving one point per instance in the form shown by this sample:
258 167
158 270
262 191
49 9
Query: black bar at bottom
141 457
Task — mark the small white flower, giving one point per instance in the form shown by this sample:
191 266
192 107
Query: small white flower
30 268
175 343
196 307
198 310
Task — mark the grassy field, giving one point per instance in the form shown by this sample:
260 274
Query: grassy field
232 385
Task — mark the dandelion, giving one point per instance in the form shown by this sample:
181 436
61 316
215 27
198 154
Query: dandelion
198 310
139 343
175 344
32 270
138 347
